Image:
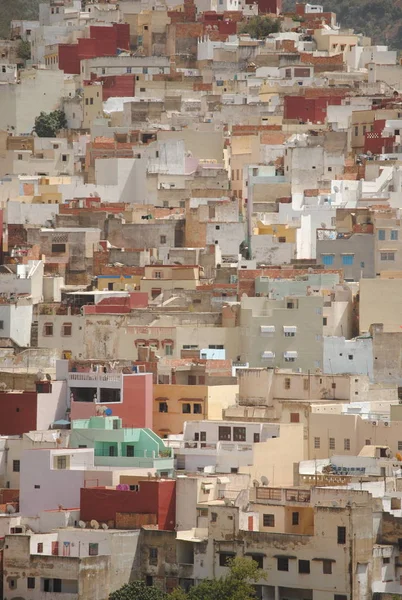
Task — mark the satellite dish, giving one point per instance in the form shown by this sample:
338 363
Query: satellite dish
264 480
82 524
48 377
105 526
94 524
256 483
108 412
10 509
40 375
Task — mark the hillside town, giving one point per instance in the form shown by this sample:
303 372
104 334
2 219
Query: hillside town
200 302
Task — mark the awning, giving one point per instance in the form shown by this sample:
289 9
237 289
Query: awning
290 329
207 486
326 559
61 422
267 328
223 480
268 354
254 554
290 354
289 557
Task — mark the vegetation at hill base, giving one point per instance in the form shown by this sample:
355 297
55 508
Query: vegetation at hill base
16 9
236 585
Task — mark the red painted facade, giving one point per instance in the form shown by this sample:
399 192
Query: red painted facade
268 6
154 497
18 412
136 408
102 41
117 86
312 110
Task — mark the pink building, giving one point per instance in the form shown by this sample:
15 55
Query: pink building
91 392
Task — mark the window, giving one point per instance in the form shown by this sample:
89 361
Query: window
294 417
256 438
48 329
346 444
347 259
158 274
341 535
1 324
61 462
67 329
259 559
186 409
162 239
332 443
268 520
381 234
39 548
327 259
400 445
356 130
324 321
52 585
93 549
287 383
333 386
197 409
224 557
142 89
239 434
224 434
31 583
295 518
12 584
214 517
64 157
290 333
163 407
168 349
394 235
387 255
130 450
317 442
37 487
58 248
329 169
304 566
283 563
20 156
327 567
281 239
55 548
305 385
91 101
386 560
16 466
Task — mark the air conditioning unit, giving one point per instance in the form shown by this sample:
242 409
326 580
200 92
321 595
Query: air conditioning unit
386 423
374 423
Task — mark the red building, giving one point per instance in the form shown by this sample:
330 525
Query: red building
374 141
153 503
102 41
308 110
117 86
22 411
273 7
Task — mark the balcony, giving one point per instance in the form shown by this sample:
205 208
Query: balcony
283 495
193 447
102 459
91 377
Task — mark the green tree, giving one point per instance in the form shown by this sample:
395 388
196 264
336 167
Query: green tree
260 27
236 585
24 50
138 590
49 124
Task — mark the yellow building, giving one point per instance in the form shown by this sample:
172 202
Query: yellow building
282 232
93 104
176 404
118 282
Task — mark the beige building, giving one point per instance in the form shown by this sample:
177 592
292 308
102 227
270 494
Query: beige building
166 278
380 302
92 104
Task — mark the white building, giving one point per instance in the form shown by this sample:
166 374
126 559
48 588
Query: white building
221 447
